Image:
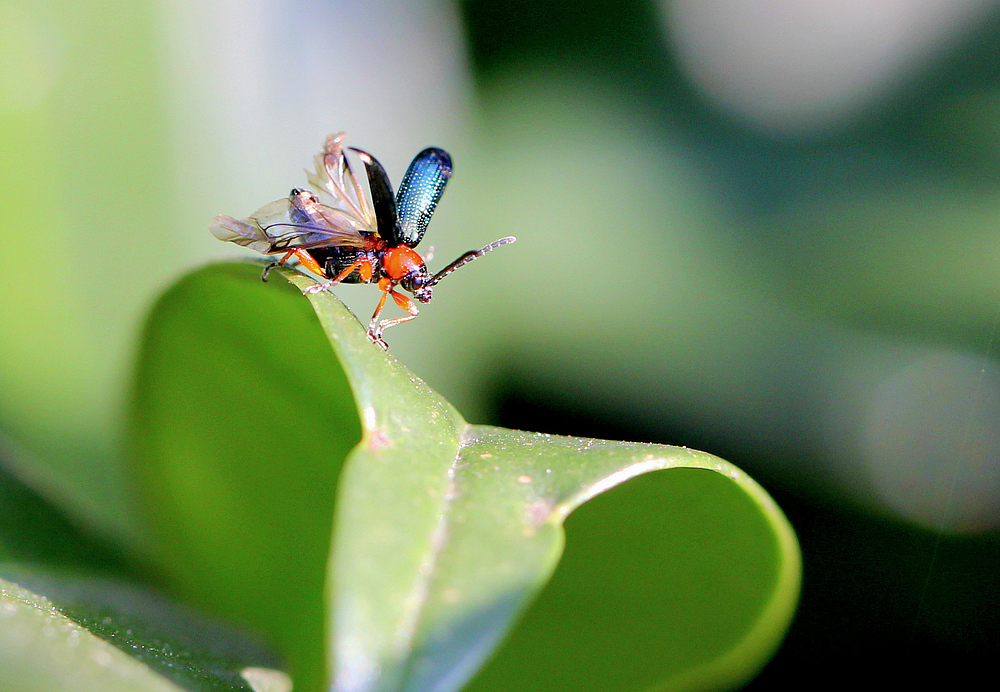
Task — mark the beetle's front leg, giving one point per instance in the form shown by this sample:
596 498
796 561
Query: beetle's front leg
376 327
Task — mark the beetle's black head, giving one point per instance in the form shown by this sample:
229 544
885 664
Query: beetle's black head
416 282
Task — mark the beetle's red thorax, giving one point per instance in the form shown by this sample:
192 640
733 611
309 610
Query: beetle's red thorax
400 261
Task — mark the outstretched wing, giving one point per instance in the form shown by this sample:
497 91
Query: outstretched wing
298 221
339 188
420 192
336 215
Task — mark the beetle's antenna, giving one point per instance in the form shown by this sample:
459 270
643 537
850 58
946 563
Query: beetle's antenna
468 257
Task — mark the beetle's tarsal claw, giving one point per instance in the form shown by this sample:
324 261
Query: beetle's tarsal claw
267 270
316 288
377 338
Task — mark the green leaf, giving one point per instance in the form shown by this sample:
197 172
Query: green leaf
32 531
241 420
679 580
89 633
463 526
92 74
69 620
444 532
41 649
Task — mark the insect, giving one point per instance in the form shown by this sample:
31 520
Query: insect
337 231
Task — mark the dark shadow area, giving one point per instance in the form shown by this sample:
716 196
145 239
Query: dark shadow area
33 531
881 598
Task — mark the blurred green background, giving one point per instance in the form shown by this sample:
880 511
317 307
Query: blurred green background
766 230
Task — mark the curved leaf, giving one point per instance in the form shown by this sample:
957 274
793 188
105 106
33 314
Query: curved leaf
679 581
41 649
443 532
241 418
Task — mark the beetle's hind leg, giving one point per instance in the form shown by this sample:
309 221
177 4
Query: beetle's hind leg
267 270
275 263
304 258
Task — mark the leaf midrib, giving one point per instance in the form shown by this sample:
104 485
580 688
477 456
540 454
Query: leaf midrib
438 542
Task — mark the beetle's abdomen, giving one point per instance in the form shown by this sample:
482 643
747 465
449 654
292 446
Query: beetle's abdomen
334 260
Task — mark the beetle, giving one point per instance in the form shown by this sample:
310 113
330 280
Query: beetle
341 233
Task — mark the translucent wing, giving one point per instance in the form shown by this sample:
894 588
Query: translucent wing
336 215
297 221
339 188
245 232
420 192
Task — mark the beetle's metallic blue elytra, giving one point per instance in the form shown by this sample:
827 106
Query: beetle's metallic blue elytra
420 192
403 219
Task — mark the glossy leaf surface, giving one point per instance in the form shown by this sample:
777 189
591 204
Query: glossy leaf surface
445 532
477 531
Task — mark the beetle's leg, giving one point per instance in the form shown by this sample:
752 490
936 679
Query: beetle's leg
365 270
276 263
307 261
304 258
362 264
375 330
267 270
